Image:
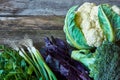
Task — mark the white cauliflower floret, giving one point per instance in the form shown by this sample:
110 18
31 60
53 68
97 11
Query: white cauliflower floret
93 37
89 24
116 9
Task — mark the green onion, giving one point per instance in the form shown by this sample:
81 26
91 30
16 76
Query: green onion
34 58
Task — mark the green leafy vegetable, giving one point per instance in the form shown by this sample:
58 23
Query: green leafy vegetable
105 24
13 66
110 22
103 63
73 33
34 58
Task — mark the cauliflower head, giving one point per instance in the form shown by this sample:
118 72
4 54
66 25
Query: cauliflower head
89 24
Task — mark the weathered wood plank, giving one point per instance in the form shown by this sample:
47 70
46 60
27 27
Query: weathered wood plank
35 27
43 7
43 18
39 22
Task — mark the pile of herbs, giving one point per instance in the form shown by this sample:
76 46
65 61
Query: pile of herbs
34 58
23 62
13 66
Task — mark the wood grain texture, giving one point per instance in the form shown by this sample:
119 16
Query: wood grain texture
36 18
43 7
35 27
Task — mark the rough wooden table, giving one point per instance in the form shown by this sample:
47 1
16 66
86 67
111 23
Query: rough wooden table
43 7
36 28
36 18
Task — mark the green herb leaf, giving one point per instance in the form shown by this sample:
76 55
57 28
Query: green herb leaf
13 66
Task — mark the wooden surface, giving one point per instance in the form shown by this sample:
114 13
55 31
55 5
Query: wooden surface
36 18
43 7
15 28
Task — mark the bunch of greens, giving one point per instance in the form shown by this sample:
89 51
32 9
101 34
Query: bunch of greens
13 66
33 57
56 54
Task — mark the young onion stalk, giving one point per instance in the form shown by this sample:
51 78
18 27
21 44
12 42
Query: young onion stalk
23 54
34 58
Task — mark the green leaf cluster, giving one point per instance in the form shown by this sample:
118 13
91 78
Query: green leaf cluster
74 35
110 22
33 57
13 66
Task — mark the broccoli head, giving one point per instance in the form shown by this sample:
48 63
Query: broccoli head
104 63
